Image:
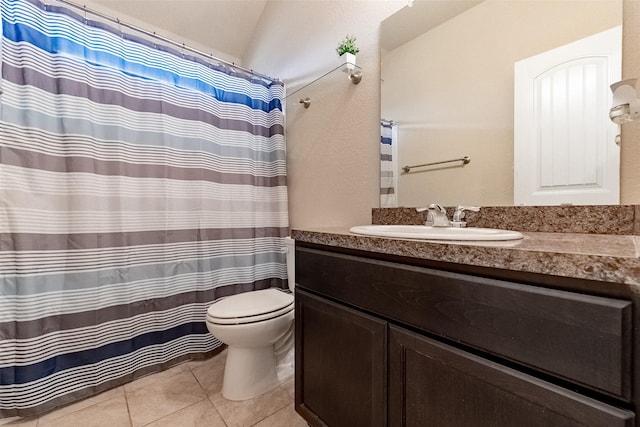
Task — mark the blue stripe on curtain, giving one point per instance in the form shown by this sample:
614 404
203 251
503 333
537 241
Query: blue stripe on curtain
28 373
139 185
62 46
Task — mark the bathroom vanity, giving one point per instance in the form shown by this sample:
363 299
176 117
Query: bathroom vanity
406 333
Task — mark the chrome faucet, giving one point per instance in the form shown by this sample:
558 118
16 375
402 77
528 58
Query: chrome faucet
458 215
436 215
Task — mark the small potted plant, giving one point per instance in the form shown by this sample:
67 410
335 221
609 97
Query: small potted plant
348 49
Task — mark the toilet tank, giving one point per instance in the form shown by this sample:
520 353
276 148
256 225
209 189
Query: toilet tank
290 250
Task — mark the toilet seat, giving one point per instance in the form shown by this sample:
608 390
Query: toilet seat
250 307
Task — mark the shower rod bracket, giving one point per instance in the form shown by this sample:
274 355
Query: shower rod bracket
306 102
355 76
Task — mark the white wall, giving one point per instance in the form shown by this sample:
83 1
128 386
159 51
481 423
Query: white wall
630 145
332 147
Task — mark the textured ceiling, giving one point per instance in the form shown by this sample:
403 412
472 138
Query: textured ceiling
410 22
223 25
226 26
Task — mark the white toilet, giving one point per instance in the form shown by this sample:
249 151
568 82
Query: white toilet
257 327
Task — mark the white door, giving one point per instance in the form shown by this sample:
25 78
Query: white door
564 142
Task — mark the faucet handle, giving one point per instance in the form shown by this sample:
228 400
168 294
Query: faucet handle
458 215
437 207
433 206
436 215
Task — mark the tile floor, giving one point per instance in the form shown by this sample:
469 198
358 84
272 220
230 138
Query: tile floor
187 395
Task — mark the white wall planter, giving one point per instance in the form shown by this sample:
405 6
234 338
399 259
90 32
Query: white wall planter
349 60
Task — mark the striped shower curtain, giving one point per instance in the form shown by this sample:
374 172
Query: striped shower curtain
138 184
388 177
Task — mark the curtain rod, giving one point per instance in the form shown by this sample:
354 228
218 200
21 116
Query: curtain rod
165 39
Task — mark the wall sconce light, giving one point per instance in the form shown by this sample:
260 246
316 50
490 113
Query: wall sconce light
626 105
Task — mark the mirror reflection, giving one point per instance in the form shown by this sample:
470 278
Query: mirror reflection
449 91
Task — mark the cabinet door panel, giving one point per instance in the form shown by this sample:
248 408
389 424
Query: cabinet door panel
582 338
432 384
340 364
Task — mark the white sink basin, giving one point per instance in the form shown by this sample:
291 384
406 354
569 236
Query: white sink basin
435 233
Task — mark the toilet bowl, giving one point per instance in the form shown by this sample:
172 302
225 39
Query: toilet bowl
257 327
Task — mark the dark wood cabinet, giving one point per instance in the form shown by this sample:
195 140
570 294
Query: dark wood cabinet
341 361
392 343
434 384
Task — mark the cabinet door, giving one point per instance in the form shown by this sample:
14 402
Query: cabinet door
341 360
433 384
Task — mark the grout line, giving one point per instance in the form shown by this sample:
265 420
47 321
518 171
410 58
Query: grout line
217 411
126 400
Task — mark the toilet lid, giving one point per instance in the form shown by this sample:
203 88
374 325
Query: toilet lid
250 306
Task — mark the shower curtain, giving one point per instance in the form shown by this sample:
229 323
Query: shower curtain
138 184
388 151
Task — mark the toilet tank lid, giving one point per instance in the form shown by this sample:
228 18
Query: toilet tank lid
250 304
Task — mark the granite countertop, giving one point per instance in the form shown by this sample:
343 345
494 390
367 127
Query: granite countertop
604 257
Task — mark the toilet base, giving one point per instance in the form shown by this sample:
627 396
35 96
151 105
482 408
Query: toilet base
284 354
249 372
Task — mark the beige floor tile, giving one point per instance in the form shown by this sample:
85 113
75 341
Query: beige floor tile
175 397
286 416
290 388
209 373
201 414
157 376
19 421
218 358
163 397
82 404
248 412
110 413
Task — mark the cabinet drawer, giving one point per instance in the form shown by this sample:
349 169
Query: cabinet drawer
581 338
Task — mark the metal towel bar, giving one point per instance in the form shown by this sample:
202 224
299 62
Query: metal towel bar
464 160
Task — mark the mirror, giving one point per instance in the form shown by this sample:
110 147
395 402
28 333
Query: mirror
449 88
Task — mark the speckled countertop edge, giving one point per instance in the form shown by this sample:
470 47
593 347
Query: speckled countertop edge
610 258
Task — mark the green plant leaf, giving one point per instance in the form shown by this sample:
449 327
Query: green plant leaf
348 45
